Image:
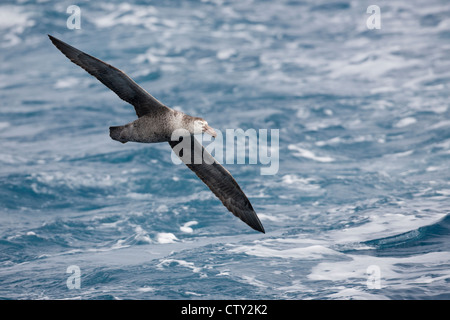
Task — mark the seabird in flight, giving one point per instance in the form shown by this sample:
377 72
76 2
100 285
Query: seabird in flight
156 123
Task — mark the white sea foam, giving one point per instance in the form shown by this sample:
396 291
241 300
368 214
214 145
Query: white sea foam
183 263
166 237
141 235
162 208
380 225
303 113
339 140
303 153
226 53
396 273
383 90
370 66
405 122
322 124
14 20
17 236
128 14
11 159
74 180
445 192
272 217
68 82
187 226
146 289
305 253
251 280
140 196
356 294
295 286
307 183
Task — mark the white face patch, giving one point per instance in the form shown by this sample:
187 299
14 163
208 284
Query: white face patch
198 126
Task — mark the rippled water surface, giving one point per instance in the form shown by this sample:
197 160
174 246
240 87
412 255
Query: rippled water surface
359 208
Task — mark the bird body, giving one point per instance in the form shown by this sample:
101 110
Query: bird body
157 123
151 128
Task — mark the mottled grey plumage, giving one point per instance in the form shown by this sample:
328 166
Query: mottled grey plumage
150 128
156 123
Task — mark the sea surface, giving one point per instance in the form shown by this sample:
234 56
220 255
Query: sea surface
358 209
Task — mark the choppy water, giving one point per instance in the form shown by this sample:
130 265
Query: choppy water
363 183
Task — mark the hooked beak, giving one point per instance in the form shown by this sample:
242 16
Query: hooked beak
209 131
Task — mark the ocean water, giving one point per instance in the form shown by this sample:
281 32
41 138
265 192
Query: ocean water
359 208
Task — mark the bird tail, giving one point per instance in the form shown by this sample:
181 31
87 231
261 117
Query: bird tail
115 133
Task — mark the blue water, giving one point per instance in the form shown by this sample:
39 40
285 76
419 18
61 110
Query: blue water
363 181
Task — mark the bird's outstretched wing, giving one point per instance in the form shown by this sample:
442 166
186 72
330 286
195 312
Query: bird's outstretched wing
220 181
113 78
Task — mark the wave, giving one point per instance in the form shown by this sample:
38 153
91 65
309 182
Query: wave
431 238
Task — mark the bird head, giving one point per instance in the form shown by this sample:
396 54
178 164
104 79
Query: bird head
200 126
